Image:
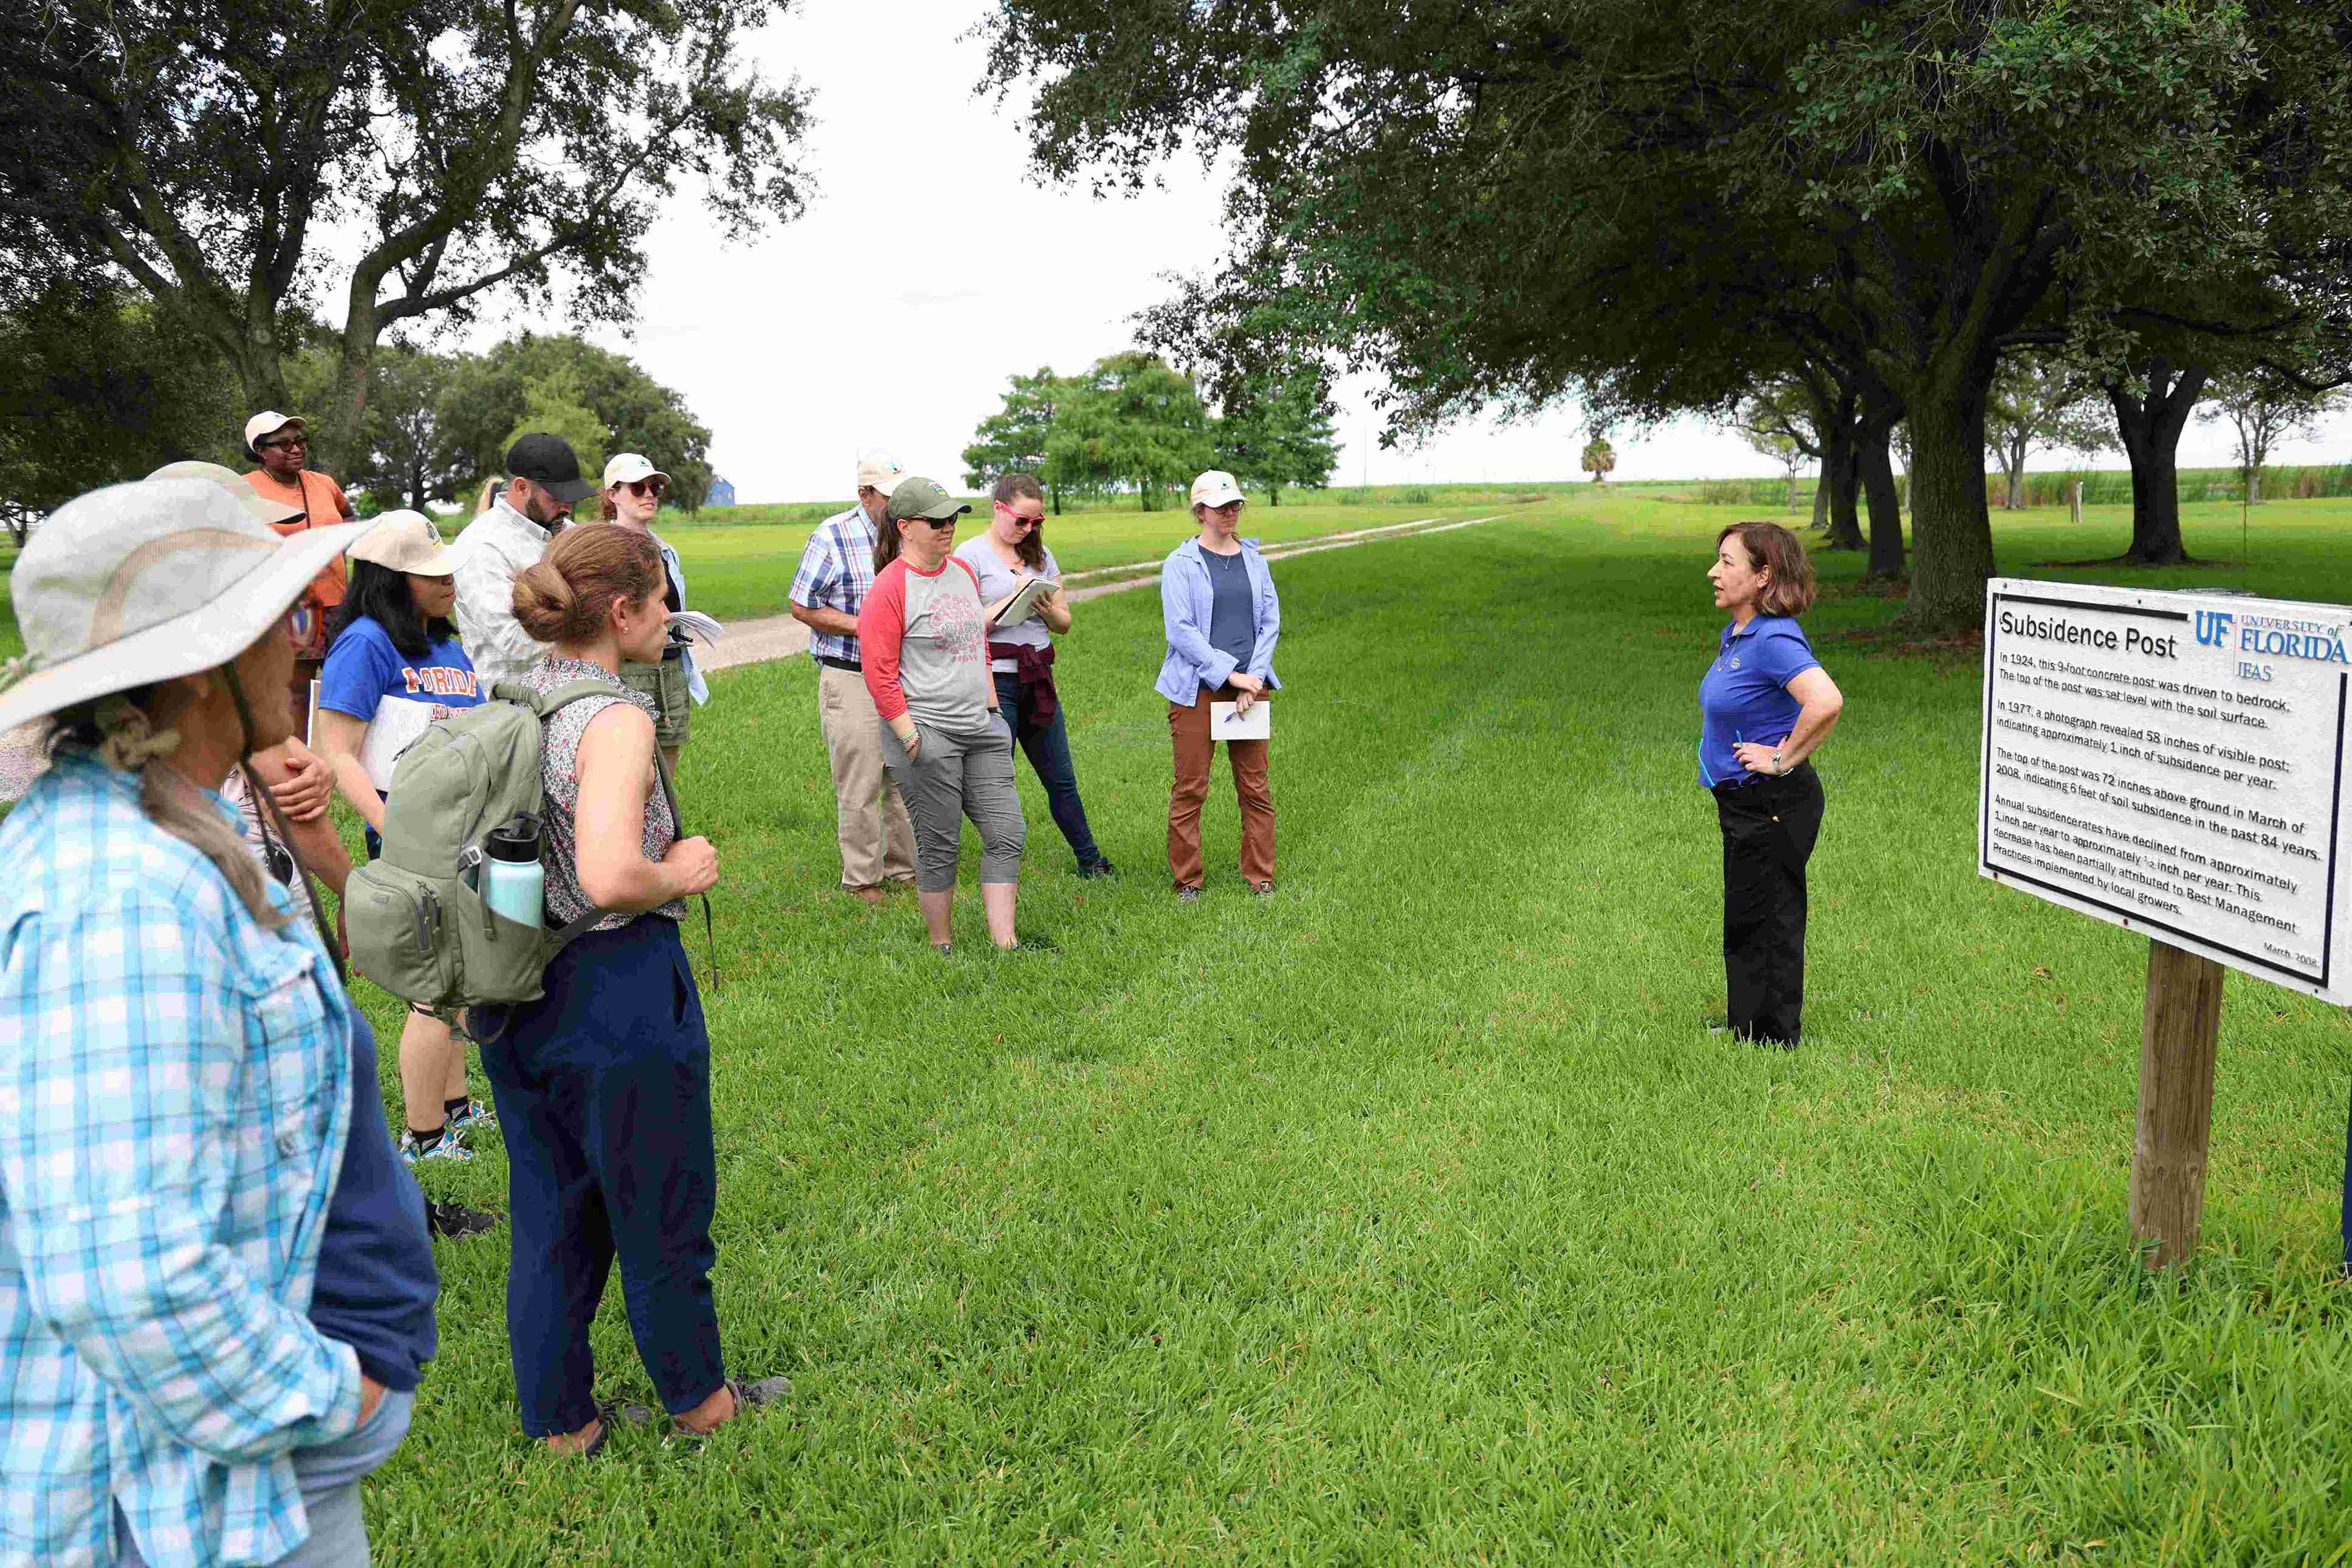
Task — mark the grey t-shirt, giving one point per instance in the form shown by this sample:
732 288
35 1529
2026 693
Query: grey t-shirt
996 579
1232 617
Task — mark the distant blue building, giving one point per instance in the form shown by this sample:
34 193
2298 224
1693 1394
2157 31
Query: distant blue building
723 492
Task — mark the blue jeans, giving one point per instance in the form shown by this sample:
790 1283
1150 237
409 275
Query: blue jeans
328 1475
1049 752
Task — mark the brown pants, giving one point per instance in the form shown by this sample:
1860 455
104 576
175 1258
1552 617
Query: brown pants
1188 728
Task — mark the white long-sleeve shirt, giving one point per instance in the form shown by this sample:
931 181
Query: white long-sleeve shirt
490 551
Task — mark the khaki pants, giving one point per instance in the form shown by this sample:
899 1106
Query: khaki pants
665 683
877 840
1188 730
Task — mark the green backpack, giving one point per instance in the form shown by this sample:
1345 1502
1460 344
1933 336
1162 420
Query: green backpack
418 920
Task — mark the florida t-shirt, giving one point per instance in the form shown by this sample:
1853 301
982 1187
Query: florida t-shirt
367 677
1744 696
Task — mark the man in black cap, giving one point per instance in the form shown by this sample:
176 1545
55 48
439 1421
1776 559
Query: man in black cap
543 484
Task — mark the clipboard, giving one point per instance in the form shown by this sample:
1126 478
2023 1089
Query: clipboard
1024 603
1225 724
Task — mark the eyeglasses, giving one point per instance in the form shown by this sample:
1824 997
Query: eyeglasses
643 487
1232 508
287 442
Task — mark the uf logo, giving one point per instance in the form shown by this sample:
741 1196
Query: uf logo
2213 626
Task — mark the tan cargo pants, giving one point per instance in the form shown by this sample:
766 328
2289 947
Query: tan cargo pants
876 839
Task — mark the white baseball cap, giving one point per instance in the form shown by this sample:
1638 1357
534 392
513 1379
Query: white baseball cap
252 500
880 471
628 467
1216 488
143 581
408 542
269 422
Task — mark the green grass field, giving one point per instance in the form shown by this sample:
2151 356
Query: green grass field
1411 1213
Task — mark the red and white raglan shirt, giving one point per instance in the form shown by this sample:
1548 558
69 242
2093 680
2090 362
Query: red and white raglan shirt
923 637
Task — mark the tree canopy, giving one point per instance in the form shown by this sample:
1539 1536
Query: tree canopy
1652 205
1013 440
472 149
1131 422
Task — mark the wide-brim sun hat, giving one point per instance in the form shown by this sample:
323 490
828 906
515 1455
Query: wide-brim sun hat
629 466
1216 488
229 478
408 542
140 583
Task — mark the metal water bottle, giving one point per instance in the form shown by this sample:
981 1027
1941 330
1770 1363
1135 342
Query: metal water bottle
515 882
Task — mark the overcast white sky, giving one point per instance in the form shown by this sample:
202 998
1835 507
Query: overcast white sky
839 333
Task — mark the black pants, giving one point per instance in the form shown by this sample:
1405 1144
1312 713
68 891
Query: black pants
1769 828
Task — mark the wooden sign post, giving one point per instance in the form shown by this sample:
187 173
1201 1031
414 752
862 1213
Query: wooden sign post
2174 764
2179 1035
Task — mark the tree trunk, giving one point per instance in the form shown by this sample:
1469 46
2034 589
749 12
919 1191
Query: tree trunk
1273 495
1951 530
1876 470
2012 466
1821 499
1840 476
2255 488
2150 428
262 375
355 358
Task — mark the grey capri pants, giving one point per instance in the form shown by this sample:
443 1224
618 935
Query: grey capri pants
952 777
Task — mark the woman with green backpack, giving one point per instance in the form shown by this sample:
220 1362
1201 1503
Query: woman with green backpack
603 1084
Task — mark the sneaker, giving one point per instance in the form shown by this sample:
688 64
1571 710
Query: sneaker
1032 944
447 1148
476 1115
457 1222
1188 895
1261 889
1097 867
944 949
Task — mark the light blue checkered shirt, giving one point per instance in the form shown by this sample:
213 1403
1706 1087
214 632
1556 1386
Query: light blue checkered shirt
174 1095
836 574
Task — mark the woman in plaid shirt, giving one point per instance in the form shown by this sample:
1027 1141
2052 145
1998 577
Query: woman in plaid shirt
215 1294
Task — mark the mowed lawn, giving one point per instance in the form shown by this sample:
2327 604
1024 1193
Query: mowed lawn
1411 1213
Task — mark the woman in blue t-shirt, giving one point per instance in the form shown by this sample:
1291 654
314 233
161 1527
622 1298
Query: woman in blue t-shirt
393 666
1764 705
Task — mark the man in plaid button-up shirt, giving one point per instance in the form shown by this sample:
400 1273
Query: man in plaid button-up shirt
173 1103
837 573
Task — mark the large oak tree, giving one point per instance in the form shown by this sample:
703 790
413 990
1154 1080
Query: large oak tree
1500 202
246 161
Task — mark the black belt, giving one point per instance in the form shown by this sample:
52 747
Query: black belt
850 665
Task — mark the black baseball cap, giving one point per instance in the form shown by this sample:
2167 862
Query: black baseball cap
548 462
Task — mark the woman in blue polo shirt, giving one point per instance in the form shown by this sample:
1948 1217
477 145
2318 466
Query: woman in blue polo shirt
393 666
1764 705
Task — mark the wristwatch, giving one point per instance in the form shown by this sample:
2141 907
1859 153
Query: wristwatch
1777 767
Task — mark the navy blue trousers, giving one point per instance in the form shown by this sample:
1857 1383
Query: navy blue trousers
603 1094
1048 750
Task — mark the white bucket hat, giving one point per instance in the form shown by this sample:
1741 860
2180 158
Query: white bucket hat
252 500
407 541
143 581
631 465
1216 488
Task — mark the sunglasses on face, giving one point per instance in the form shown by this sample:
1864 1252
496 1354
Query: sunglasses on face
1230 509
643 487
934 521
1026 521
285 443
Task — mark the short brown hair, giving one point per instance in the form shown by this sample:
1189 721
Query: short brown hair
1773 549
591 567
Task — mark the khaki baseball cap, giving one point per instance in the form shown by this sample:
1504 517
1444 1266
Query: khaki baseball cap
1216 488
629 466
920 496
879 471
407 541
269 422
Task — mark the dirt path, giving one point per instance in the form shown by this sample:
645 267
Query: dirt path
781 636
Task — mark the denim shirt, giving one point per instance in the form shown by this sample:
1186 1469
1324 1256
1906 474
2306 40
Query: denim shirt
1186 600
695 686
175 1098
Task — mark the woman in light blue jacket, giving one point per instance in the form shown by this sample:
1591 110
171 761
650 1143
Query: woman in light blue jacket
1223 617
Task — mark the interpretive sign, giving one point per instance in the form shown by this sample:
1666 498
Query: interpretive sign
2173 763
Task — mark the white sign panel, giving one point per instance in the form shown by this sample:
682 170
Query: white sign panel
2173 763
